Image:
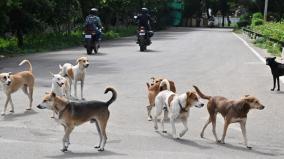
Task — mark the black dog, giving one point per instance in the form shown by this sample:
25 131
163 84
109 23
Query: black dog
277 70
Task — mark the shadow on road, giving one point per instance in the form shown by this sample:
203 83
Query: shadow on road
11 117
183 141
244 149
71 154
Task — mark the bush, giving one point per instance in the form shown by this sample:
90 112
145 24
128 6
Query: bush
257 15
256 22
244 20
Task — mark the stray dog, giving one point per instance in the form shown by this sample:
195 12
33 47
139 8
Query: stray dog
232 111
13 82
60 86
277 70
178 106
72 114
76 73
153 89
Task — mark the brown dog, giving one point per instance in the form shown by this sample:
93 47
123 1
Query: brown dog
153 90
231 110
72 114
13 82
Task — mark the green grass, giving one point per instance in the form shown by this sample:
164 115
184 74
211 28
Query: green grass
51 41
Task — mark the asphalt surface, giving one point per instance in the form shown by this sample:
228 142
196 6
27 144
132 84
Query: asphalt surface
213 59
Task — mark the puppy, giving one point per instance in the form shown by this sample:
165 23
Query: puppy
177 105
72 114
232 111
12 82
76 73
153 89
277 70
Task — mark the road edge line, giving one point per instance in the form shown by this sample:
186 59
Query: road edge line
255 52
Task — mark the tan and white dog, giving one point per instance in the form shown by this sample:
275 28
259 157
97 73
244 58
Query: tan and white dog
153 89
12 82
177 105
75 73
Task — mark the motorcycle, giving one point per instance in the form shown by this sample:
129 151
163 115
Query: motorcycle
92 41
144 38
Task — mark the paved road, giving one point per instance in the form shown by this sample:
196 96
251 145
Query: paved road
215 60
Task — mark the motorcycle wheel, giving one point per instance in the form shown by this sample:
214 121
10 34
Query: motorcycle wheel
96 49
143 48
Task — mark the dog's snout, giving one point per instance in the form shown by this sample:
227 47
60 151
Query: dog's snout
202 104
8 83
262 107
86 65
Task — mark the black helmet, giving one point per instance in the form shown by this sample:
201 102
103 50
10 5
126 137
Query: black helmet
144 10
94 11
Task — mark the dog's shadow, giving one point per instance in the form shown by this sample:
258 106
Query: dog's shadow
277 92
182 141
13 116
242 148
70 154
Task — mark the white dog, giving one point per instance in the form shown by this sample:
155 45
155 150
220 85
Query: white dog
76 73
61 86
177 105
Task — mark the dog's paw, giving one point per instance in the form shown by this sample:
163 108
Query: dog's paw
12 111
175 137
101 149
149 119
164 131
64 149
249 147
272 89
156 127
83 99
278 89
3 114
221 142
202 135
29 109
97 147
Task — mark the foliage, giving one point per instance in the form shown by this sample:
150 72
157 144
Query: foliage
244 20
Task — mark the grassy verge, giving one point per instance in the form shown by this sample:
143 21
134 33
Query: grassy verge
272 30
51 42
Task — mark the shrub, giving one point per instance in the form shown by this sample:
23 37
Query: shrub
244 20
257 15
256 22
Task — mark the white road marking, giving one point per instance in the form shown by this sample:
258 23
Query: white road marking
255 53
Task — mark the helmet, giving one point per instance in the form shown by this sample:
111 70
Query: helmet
144 10
94 11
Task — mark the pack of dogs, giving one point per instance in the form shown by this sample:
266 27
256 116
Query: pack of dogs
71 111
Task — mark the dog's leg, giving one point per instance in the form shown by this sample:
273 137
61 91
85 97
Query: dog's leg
103 124
100 134
226 125
278 83
274 81
12 106
162 122
82 86
174 133
66 136
184 122
243 128
149 108
204 127
213 120
6 104
158 113
75 89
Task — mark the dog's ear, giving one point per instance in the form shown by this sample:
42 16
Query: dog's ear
274 57
53 95
147 85
60 67
10 73
79 60
188 94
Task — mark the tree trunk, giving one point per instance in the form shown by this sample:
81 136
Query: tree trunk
20 37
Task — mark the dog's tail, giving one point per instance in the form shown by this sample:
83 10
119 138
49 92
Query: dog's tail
114 95
30 65
201 94
166 83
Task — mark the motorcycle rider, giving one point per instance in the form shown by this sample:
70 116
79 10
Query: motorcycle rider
93 23
144 19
